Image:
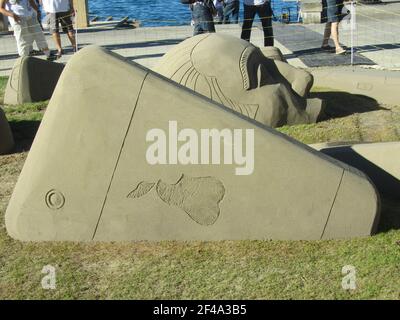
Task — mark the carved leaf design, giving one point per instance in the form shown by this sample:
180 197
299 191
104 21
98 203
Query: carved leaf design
198 197
141 189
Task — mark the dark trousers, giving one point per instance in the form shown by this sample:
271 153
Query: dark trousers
39 13
203 19
232 9
265 13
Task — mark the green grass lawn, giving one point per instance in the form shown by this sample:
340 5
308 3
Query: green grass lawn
207 270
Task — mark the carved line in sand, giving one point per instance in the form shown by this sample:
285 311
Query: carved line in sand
199 197
192 77
15 72
243 68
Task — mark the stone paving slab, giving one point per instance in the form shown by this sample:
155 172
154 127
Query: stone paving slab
306 45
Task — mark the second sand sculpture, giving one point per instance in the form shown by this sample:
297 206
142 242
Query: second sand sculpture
92 174
251 81
31 80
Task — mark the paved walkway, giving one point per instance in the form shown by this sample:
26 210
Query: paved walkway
377 40
143 45
377 36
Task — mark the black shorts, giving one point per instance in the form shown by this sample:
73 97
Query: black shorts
332 11
63 18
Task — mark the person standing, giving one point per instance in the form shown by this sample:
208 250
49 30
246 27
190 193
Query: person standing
332 15
231 9
34 52
39 12
202 14
219 6
263 9
60 12
39 19
22 15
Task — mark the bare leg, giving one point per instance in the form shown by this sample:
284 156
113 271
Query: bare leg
335 35
57 40
71 36
327 34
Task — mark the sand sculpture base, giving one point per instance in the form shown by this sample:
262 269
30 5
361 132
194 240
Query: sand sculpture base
381 85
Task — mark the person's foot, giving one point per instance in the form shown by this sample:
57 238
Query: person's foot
34 53
59 54
327 48
340 51
51 57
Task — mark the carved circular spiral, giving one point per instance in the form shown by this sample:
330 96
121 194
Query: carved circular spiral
55 199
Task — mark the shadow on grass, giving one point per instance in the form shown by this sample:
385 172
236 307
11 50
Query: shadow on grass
390 215
24 132
342 104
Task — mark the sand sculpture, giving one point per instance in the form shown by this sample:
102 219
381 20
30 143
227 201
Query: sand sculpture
32 80
240 76
381 85
6 138
376 160
273 53
132 155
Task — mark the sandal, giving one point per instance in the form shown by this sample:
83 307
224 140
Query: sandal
59 54
327 48
51 57
35 53
341 51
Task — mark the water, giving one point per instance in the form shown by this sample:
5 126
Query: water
149 12
167 12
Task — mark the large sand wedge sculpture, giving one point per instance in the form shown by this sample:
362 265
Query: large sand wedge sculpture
127 156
